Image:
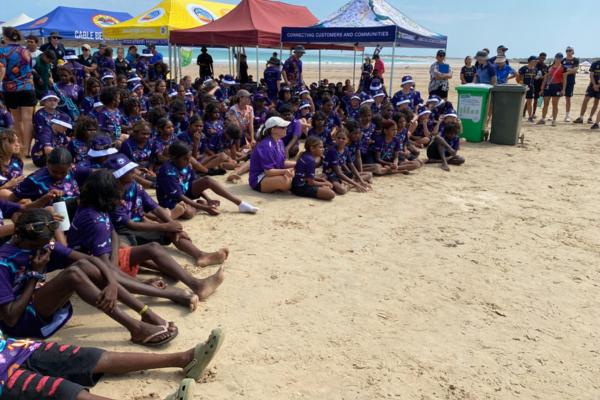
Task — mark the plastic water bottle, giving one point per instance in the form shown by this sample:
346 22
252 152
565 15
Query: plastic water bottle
60 207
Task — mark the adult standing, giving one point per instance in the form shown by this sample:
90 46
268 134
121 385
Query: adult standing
542 70
243 78
269 170
526 75
58 49
17 85
32 46
438 83
122 66
592 92
89 63
292 68
501 52
554 86
504 72
42 69
486 73
367 66
379 66
205 64
571 64
272 77
156 56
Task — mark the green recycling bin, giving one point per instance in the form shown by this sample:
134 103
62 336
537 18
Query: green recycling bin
472 110
507 110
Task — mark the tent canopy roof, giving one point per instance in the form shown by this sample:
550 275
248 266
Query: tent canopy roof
166 16
251 23
368 23
80 24
18 20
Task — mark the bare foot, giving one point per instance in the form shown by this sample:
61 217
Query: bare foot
178 210
218 257
145 330
446 168
156 282
207 286
405 172
233 177
151 318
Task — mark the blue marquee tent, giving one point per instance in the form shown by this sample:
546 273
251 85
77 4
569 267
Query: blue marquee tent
79 24
366 23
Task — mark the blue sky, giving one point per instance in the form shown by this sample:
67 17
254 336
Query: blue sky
525 27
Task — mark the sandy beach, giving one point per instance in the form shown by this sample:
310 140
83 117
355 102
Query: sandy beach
480 283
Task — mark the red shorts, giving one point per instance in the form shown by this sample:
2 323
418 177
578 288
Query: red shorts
124 264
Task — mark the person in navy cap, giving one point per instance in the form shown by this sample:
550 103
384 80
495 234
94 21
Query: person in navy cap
222 93
501 52
407 92
76 68
526 76
142 66
438 83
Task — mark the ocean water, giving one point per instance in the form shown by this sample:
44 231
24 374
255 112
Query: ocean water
311 58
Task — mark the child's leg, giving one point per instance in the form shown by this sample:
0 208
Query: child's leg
202 258
374 169
366 176
55 293
340 187
555 108
237 173
529 107
324 193
545 108
200 185
154 251
213 161
270 184
408 166
456 160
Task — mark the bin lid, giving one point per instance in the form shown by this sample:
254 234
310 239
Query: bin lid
474 87
510 87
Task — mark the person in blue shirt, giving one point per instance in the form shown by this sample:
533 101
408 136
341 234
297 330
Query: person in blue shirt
526 76
156 56
486 73
504 72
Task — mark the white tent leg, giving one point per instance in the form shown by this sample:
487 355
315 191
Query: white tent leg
391 89
280 51
229 58
257 78
354 69
179 64
319 67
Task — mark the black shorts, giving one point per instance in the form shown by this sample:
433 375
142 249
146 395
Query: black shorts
138 238
553 90
54 372
434 154
258 186
530 93
40 162
590 92
367 158
22 98
305 191
537 88
570 89
440 92
335 179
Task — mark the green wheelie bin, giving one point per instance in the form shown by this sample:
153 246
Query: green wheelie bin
472 110
508 101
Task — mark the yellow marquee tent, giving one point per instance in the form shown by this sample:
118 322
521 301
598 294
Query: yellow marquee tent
167 16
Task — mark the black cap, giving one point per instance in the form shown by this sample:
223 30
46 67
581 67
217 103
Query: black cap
274 60
151 46
532 58
501 47
559 55
441 53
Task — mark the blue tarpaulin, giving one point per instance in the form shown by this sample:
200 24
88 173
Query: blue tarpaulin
74 23
366 23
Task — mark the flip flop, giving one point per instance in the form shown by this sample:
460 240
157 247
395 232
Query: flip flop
146 342
204 353
185 391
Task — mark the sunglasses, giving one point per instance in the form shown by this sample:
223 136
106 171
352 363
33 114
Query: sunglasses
40 227
84 49
569 51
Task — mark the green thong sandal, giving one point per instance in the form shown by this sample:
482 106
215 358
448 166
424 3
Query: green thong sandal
185 391
204 353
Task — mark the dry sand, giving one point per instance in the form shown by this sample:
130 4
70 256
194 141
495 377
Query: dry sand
481 283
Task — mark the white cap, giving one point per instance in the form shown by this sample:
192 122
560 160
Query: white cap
357 97
367 101
570 48
403 102
276 121
451 115
61 123
303 91
107 77
102 153
424 112
379 95
98 104
304 106
125 169
50 96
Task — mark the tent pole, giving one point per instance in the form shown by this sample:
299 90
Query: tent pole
391 89
179 64
170 59
354 69
257 78
319 67
175 63
229 58
280 50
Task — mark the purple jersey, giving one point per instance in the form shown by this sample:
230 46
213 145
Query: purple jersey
325 137
141 68
403 137
87 105
42 119
78 149
7 209
134 204
90 232
137 154
413 96
6 119
386 149
293 68
352 113
267 155
13 353
14 262
179 126
172 182
219 143
272 75
305 169
293 129
106 63
353 149
216 126
14 170
367 134
110 122
40 182
129 121
77 71
420 131
70 97
333 120
333 158
47 138
158 146
189 139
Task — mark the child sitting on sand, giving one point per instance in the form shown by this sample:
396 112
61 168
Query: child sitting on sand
445 146
138 147
50 137
84 130
43 371
421 130
336 158
319 129
176 182
11 164
305 184
387 151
